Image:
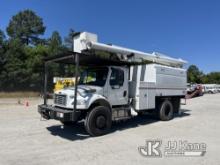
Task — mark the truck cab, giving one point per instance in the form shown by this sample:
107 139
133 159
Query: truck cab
96 83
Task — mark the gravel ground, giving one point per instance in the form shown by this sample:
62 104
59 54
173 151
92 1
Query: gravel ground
25 139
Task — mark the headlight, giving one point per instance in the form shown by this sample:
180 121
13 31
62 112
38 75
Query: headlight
80 93
79 102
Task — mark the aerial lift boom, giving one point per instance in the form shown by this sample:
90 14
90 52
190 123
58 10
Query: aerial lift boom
88 41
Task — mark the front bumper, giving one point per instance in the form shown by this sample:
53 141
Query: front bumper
50 112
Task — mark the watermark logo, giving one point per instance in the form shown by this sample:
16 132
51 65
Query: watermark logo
154 148
184 148
151 148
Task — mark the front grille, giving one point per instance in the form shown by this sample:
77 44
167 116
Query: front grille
60 99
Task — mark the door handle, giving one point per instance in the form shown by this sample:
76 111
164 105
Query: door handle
125 94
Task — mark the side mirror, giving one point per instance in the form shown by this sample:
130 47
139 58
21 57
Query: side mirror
115 87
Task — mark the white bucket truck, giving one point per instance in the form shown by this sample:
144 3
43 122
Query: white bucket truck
116 83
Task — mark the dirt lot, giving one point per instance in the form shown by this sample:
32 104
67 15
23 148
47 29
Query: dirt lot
25 139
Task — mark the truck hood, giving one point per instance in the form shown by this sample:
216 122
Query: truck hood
83 90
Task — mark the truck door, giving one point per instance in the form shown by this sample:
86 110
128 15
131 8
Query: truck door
118 86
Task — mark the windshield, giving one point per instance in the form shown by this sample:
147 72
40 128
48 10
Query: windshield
94 76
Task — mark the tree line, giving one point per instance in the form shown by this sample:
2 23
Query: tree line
22 51
23 48
194 75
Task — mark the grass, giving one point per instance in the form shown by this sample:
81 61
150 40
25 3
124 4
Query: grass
19 94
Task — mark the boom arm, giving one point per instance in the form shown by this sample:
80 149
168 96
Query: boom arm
88 41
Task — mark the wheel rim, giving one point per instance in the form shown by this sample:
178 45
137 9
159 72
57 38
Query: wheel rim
101 122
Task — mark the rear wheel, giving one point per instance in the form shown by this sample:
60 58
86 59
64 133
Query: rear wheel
165 110
98 121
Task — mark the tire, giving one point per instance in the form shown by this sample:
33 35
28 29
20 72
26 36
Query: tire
98 121
165 110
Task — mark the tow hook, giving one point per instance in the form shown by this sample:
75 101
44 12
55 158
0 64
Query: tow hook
45 115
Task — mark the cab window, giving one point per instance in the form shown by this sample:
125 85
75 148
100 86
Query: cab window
94 76
117 77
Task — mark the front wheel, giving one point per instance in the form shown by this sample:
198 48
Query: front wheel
98 121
